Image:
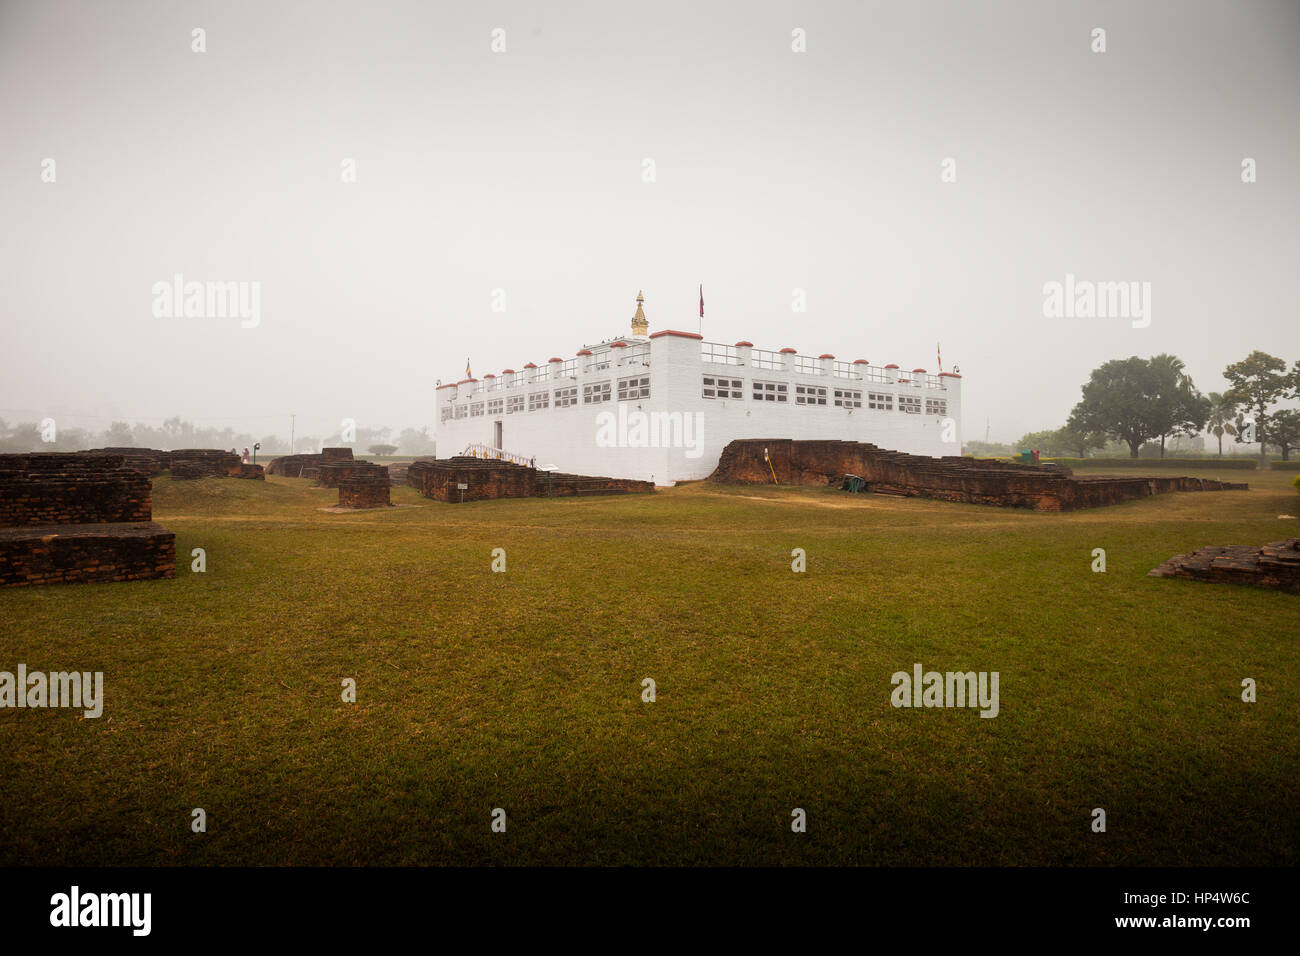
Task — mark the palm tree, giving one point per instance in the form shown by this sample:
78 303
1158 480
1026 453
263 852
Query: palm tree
1222 411
1172 369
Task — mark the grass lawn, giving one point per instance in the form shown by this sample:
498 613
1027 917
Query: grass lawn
522 690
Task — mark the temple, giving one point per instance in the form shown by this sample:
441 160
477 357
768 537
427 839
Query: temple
661 406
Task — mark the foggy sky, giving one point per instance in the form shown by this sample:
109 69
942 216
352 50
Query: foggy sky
522 171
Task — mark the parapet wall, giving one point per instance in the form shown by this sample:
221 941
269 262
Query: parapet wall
487 478
952 478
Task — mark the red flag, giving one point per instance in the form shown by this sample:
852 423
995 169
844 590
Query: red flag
701 301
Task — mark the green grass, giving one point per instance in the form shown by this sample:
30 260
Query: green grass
523 690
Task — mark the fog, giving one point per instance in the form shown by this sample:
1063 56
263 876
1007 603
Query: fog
518 179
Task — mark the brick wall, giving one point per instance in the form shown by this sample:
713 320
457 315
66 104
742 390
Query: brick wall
87 552
189 462
487 479
975 481
365 491
291 466
79 516
71 488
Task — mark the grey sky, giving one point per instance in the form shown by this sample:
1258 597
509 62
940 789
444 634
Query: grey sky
523 171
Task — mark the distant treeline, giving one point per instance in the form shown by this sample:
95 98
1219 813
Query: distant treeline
47 435
1143 407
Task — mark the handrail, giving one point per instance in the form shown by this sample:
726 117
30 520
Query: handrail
481 450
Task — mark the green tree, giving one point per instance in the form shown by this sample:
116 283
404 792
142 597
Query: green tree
382 451
1258 381
1284 431
1222 411
1179 408
1120 401
1079 443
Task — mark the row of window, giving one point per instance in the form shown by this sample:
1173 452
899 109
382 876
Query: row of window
715 387
629 389
718 387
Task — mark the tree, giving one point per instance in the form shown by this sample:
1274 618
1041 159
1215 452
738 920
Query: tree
1284 431
1258 381
413 442
1179 408
1048 442
1081 442
383 451
1120 401
119 436
1222 411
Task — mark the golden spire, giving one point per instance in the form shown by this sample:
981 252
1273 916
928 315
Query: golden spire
640 326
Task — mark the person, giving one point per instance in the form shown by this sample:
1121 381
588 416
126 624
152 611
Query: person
1035 456
245 455
532 462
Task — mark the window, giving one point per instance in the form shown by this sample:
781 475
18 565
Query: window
936 406
494 406
809 395
910 404
630 389
462 411
515 403
539 400
476 410
564 397
447 412
770 391
715 387
847 398
597 392
881 401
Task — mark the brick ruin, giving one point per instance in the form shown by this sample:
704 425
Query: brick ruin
330 473
183 463
488 478
292 466
365 491
952 478
1275 565
79 516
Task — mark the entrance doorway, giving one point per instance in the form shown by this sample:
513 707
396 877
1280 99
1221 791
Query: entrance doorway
496 435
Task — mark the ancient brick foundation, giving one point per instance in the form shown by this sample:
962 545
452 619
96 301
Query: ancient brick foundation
330 473
1275 565
365 491
291 466
183 463
487 478
71 488
975 481
78 516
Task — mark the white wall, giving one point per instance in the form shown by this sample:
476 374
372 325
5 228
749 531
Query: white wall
568 437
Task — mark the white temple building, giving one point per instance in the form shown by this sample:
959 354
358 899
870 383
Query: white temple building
661 406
